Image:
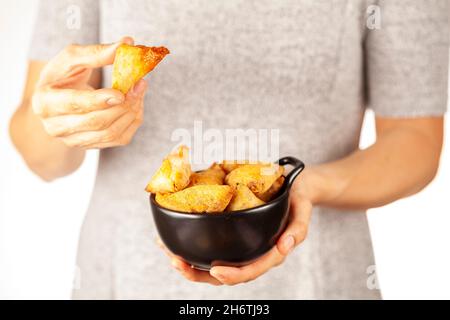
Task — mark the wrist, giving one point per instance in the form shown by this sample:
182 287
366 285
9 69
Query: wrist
46 156
318 185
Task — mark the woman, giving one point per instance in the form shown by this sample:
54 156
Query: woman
306 68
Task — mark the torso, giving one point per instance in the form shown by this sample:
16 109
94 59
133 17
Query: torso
293 66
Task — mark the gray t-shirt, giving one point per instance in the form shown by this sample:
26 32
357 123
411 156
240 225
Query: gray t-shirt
307 68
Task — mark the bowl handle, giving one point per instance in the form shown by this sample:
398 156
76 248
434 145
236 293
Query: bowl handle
298 167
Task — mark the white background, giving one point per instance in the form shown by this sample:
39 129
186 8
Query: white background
39 222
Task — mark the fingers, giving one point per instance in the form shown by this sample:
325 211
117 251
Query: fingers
233 276
61 126
193 274
112 126
135 104
296 231
121 130
48 102
91 56
79 115
110 135
186 270
76 59
124 138
94 56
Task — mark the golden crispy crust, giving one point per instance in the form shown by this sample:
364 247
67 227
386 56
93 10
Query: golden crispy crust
258 177
174 173
273 190
134 62
247 185
230 165
243 198
212 175
197 199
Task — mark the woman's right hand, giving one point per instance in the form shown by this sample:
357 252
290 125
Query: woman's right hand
77 114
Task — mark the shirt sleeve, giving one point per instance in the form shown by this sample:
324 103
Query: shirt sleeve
63 22
407 59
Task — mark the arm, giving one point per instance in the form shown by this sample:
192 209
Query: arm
62 115
402 161
45 155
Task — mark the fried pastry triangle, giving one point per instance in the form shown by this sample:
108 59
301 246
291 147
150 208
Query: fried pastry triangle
243 198
174 173
197 199
212 175
134 62
258 177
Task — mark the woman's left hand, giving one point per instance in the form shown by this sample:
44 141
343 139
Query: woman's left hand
295 233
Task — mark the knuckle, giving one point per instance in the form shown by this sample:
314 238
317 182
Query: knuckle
110 134
67 52
102 123
71 49
69 142
124 140
50 129
36 104
73 101
36 107
85 143
97 49
97 123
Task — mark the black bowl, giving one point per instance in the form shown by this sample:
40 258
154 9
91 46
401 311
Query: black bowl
226 238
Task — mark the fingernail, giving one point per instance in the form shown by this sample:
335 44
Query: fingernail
288 243
217 275
127 40
113 101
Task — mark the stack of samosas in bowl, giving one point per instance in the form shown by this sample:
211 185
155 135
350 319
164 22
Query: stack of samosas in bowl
227 186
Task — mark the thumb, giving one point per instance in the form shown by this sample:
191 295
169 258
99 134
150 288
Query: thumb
75 59
295 233
92 56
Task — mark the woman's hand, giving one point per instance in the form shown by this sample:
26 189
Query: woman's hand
77 114
301 203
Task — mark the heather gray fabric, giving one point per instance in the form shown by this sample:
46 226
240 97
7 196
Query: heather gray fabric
297 66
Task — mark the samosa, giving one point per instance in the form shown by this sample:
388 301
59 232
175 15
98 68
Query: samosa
133 63
243 198
257 177
197 199
273 190
212 175
174 173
